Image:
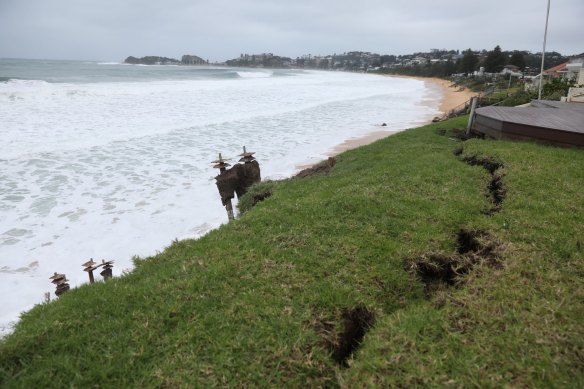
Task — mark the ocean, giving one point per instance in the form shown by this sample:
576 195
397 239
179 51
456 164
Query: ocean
110 161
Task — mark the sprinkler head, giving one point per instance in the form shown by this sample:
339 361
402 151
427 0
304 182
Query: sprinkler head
89 265
61 282
246 156
220 163
106 273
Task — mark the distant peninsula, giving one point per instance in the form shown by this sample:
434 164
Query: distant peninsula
156 60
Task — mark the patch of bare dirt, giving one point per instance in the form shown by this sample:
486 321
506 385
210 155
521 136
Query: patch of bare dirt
439 271
354 323
319 169
260 197
496 191
488 163
458 133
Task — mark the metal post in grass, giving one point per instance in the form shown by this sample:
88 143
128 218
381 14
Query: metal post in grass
60 281
222 166
89 267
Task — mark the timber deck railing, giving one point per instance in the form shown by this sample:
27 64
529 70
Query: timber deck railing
484 100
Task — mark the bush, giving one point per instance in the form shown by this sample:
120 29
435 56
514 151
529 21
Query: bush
518 98
556 88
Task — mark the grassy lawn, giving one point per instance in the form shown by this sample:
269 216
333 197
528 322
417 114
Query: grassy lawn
395 269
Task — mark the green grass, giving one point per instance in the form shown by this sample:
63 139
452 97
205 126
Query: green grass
503 93
245 305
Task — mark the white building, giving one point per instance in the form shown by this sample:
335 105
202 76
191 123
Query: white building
574 70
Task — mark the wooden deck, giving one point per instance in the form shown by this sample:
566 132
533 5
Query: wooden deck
545 121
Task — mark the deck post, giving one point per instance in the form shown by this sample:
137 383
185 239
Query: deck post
473 106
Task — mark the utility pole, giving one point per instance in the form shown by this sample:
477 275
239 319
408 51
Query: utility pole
543 52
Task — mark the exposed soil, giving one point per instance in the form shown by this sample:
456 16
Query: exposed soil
458 151
438 271
237 180
488 163
469 241
497 193
458 133
320 169
496 190
260 197
355 323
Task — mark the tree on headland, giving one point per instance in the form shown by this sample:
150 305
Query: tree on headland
517 59
495 60
469 62
324 64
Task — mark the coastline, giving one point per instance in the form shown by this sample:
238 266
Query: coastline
451 98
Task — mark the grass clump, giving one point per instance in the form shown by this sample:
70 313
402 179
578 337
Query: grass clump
308 288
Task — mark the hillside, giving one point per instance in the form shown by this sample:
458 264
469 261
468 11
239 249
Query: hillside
420 260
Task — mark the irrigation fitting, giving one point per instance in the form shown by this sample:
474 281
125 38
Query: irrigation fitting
220 164
106 273
89 267
246 156
60 281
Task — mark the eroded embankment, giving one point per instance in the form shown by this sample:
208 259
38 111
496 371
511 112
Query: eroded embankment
313 281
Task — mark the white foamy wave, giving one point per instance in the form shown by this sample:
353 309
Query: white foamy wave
16 83
244 74
15 90
72 116
110 63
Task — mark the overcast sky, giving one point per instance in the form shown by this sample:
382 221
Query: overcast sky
222 29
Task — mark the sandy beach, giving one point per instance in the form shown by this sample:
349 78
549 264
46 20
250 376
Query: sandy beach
451 98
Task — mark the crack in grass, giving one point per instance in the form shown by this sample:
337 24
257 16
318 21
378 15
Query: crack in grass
496 187
355 323
438 271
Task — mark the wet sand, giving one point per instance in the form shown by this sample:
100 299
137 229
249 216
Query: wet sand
451 98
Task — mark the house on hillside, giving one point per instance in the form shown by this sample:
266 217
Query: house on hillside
556 71
571 70
532 83
574 70
512 70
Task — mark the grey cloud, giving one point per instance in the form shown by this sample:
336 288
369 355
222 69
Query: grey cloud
222 29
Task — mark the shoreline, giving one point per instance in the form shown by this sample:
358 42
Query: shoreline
451 98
